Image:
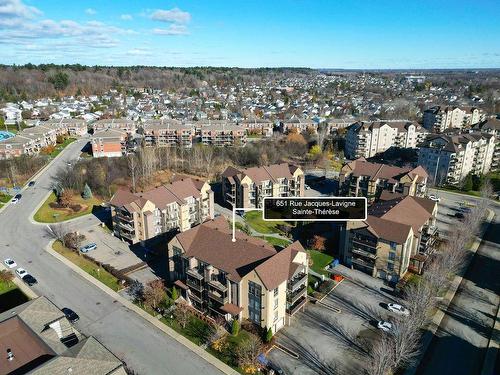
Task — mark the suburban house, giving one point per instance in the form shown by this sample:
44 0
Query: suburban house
398 235
245 188
180 205
221 133
245 279
368 139
109 143
360 178
449 158
167 133
439 118
36 338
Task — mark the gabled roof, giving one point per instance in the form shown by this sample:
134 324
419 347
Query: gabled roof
388 230
264 173
211 242
361 167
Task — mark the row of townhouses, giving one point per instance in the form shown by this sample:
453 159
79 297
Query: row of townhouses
31 140
244 279
245 188
439 118
178 206
360 178
365 139
449 158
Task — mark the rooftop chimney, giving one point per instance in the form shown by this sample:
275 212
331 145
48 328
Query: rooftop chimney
10 355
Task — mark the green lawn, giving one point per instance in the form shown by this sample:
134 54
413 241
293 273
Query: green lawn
47 214
88 266
4 198
10 296
320 261
254 219
61 147
277 242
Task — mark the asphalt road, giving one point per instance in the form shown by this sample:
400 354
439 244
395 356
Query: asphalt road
142 346
459 345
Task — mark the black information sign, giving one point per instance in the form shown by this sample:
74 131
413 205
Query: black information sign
315 209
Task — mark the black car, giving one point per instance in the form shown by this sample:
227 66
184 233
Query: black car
30 280
31 183
70 314
459 215
18 196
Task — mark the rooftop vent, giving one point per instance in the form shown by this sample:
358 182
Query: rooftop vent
10 355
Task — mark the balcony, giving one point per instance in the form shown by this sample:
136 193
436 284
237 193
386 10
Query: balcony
194 285
297 281
292 298
292 309
127 218
217 285
218 296
363 263
364 242
364 253
125 226
196 297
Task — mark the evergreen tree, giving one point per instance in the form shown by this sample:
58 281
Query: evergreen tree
175 295
467 183
269 335
235 329
87 193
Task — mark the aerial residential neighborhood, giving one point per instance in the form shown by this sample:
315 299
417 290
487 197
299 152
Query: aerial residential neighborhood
249 188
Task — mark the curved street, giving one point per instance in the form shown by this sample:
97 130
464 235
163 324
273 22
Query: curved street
143 347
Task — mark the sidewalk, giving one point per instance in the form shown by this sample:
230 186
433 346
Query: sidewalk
443 306
19 283
164 328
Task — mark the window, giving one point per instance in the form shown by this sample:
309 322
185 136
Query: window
254 302
276 292
276 315
390 266
392 256
393 245
275 303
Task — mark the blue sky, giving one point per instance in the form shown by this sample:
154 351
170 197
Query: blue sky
307 33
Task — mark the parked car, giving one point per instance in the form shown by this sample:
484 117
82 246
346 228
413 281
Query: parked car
465 209
14 200
30 280
307 187
434 198
70 314
31 183
88 247
459 215
398 309
384 326
9 263
21 272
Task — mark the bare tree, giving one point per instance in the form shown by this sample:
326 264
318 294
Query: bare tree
381 360
248 350
154 293
58 232
405 342
132 167
6 276
182 314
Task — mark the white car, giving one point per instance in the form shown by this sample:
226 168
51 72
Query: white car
10 263
14 200
434 198
21 272
384 326
397 308
307 187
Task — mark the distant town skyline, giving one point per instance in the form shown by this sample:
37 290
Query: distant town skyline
317 34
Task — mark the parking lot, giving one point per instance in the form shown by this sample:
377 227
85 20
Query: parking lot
328 342
118 254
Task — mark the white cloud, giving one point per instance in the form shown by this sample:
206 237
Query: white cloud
139 52
16 9
90 11
173 29
126 17
174 15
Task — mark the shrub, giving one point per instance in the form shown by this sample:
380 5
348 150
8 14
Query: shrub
87 193
269 335
235 329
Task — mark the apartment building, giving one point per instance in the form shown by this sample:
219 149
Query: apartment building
439 118
221 133
37 338
398 235
299 125
71 126
245 279
178 206
122 124
492 126
449 158
167 133
366 139
245 188
360 178
258 126
109 143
